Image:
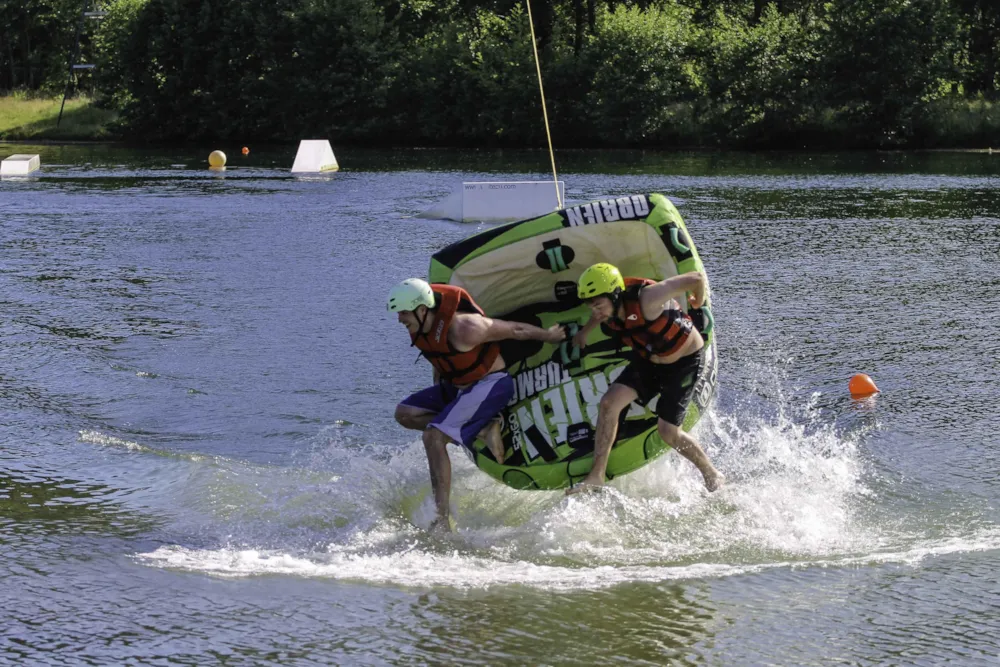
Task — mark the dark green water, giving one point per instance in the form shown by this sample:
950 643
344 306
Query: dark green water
198 462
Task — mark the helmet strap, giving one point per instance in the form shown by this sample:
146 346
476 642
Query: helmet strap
420 327
616 299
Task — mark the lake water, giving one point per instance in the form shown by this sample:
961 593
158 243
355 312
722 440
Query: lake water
199 465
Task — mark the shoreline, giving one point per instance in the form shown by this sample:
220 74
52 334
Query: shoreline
31 121
65 142
682 149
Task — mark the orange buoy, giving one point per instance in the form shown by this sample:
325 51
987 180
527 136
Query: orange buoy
246 151
861 385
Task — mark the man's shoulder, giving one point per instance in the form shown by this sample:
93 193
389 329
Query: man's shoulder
464 322
466 319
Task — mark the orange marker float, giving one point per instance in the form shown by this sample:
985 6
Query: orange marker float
246 151
861 385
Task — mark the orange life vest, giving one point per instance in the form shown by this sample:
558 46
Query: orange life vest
657 338
452 365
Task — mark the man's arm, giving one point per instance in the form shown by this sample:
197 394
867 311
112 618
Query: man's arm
469 330
580 339
653 297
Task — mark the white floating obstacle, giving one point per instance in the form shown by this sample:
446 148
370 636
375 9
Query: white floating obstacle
314 156
20 164
498 201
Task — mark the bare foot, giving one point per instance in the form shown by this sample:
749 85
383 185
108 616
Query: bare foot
714 480
491 434
588 485
442 524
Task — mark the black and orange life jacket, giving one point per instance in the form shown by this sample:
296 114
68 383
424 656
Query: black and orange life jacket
451 364
657 338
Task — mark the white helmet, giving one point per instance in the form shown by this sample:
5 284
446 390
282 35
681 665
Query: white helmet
409 294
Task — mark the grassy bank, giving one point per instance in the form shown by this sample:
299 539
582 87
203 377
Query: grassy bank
951 123
22 117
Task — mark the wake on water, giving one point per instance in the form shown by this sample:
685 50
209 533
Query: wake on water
798 494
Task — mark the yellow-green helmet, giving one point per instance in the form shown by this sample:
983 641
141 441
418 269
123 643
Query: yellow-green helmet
599 279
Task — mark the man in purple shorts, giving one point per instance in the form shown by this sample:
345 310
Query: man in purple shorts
472 383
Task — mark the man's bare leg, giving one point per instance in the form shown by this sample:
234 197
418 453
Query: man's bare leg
412 417
418 419
436 446
491 434
689 448
613 402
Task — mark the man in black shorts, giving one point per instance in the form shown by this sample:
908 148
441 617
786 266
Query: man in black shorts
667 352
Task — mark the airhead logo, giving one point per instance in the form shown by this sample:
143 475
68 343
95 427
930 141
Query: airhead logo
555 256
551 408
607 210
566 291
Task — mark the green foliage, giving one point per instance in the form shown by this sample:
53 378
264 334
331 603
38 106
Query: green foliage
36 38
471 85
110 44
657 73
881 61
643 69
252 69
345 61
981 58
758 77
958 123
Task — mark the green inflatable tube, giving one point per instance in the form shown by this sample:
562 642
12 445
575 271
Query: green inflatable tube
527 271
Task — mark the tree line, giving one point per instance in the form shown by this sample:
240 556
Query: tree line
653 73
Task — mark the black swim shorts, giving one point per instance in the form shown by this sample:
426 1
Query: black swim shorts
674 383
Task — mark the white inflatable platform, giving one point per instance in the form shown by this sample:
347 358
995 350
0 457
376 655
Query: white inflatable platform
314 156
20 164
500 201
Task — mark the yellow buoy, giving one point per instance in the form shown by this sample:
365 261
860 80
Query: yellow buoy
861 385
217 159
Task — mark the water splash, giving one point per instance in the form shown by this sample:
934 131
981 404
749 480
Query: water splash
422 568
800 493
